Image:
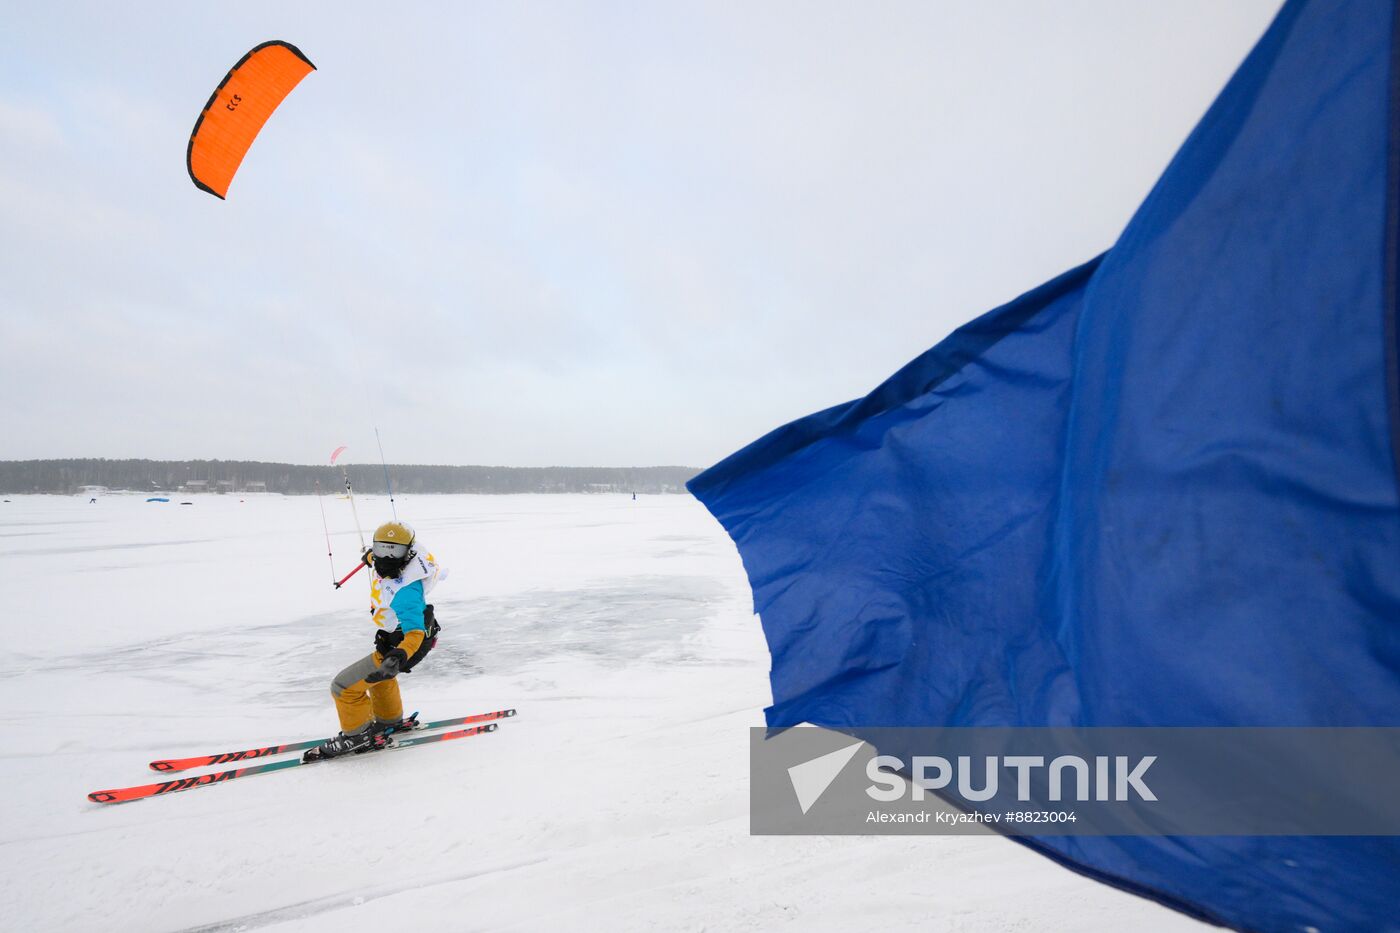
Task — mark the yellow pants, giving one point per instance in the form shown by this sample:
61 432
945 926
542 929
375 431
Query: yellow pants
357 702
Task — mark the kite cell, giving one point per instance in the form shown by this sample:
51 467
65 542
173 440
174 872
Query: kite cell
237 110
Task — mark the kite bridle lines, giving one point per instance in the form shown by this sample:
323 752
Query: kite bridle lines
387 485
320 500
349 494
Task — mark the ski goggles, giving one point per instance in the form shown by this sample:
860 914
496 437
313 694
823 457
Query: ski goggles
390 549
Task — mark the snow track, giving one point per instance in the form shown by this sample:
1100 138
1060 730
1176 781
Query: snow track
356 898
617 800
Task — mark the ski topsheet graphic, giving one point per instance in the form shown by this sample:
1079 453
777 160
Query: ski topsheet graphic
406 739
167 765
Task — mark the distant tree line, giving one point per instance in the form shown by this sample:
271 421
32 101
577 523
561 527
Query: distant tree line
241 476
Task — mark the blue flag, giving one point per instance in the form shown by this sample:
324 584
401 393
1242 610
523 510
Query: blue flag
1159 490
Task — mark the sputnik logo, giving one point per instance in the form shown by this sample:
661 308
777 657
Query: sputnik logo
811 778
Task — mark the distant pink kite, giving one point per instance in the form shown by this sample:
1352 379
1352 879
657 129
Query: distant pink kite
338 451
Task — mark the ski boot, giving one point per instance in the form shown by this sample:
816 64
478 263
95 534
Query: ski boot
353 744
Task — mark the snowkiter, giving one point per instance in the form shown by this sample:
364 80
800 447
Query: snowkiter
402 574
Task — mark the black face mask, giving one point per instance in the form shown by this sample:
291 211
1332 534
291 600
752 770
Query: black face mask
390 567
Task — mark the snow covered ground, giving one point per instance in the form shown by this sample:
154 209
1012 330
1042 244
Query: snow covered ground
618 800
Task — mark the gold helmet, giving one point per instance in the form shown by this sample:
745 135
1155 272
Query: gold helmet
394 533
392 541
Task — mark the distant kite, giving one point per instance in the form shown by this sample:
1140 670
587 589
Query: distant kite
338 451
237 110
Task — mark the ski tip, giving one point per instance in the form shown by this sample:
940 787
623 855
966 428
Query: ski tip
162 766
506 714
490 727
102 796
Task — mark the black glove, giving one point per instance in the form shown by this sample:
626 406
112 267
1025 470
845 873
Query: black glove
367 558
386 641
388 668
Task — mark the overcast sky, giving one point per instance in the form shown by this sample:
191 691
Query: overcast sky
553 233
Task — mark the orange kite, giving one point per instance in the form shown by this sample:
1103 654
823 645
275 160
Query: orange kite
237 110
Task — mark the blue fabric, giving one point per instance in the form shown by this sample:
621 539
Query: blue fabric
408 605
1160 489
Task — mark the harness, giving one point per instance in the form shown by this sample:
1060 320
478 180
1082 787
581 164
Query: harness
385 641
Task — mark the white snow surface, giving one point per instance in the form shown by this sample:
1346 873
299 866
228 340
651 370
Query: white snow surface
617 800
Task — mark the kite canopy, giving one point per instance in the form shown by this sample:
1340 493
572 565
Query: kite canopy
337 452
237 110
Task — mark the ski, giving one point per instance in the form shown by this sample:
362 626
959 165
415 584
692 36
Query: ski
124 794
203 761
